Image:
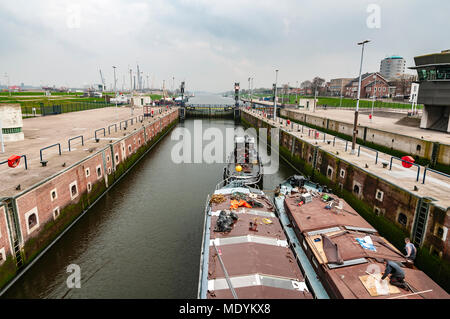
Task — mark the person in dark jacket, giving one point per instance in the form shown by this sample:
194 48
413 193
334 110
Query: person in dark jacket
397 274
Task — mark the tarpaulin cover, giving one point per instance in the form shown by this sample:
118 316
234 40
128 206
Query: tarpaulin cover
225 221
366 243
331 251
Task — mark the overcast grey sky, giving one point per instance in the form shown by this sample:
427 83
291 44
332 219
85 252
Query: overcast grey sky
211 44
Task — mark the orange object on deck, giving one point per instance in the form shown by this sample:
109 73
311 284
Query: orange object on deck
234 204
241 203
244 203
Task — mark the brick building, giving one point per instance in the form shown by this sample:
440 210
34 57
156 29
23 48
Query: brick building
371 83
337 86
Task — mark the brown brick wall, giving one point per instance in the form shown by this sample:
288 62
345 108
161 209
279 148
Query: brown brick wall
40 201
4 234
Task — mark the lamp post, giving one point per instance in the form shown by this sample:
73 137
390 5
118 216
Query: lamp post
115 88
248 93
355 123
373 96
315 99
275 98
251 93
173 86
287 91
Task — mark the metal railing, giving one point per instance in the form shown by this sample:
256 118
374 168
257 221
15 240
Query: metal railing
346 142
124 121
47 147
109 128
210 105
404 161
371 149
33 109
100 129
24 157
74 138
433 171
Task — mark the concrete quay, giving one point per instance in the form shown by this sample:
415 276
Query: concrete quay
385 121
41 132
435 186
52 198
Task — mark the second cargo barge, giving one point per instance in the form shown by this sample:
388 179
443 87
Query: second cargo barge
347 253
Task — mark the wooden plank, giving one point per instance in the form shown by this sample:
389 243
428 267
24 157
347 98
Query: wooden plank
375 288
317 248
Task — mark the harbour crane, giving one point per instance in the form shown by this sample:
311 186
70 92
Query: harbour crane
103 80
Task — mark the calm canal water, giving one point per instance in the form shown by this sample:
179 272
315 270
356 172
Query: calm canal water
142 239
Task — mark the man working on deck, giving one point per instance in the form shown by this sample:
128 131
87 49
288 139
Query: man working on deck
410 250
397 274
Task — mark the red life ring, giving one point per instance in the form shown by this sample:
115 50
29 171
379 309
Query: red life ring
409 159
13 161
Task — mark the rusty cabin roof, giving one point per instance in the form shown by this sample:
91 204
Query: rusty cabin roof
347 282
314 216
259 264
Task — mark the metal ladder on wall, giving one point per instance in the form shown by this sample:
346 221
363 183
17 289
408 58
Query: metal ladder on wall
420 222
15 231
434 154
314 161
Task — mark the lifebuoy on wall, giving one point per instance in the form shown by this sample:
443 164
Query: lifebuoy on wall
13 161
409 159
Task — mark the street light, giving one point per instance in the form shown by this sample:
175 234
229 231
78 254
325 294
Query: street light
115 89
355 123
251 92
315 98
248 95
275 98
373 96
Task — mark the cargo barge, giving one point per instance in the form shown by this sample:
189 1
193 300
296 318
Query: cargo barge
347 253
245 252
244 163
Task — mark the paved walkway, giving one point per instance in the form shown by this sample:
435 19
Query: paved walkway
47 130
381 120
436 185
